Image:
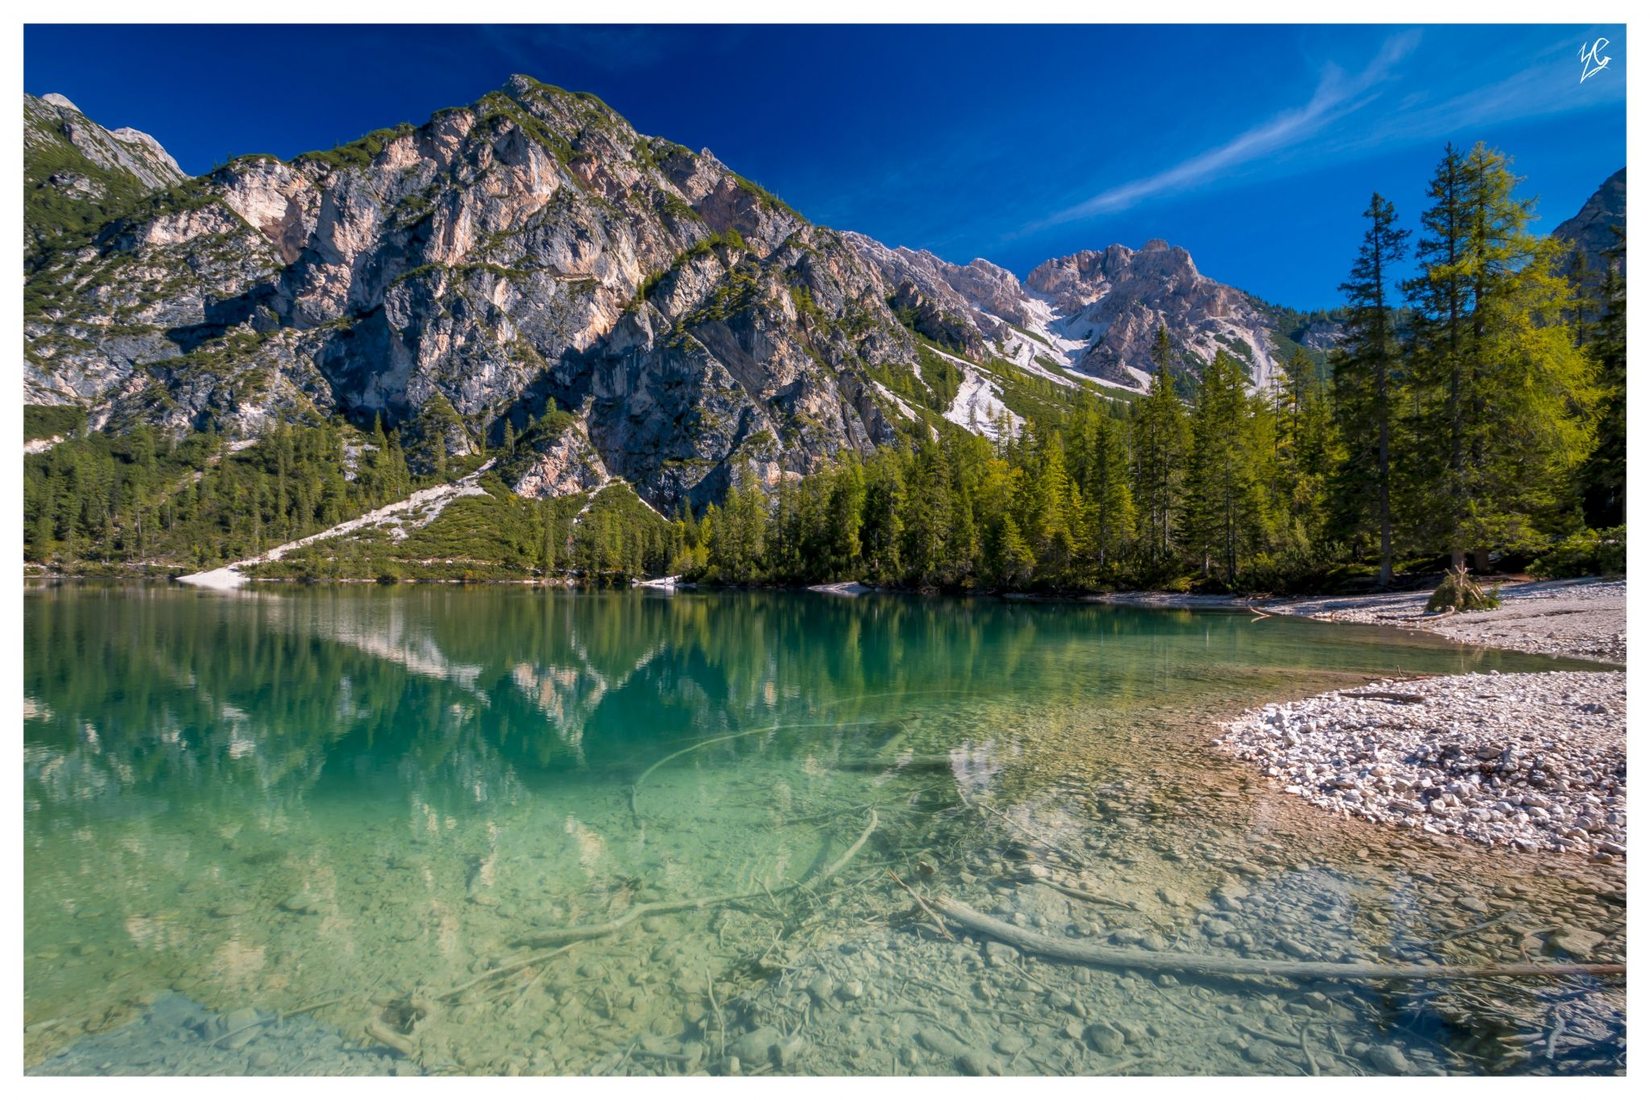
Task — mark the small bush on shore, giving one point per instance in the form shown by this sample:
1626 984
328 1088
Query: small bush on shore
1585 554
1459 592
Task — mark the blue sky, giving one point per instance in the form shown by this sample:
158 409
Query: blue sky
1254 147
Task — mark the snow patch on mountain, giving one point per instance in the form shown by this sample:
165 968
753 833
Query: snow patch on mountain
978 407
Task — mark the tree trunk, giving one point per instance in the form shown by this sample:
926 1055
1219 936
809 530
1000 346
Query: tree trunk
1077 950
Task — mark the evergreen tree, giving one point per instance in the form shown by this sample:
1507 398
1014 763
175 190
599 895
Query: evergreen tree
1225 497
1105 488
1503 388
1366 379
1160 439
882 530
1604 474
929 518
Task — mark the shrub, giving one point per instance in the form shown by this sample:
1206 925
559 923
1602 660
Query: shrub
1585 553
1459 592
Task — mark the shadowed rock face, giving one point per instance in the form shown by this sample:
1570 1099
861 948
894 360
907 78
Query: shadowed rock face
1593 232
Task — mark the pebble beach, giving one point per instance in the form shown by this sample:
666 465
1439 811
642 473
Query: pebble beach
1535 761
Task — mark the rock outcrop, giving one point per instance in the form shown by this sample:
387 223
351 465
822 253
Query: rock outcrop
77 175
1599 227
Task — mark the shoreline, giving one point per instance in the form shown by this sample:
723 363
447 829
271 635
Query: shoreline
1536 761
1581 619
1584 618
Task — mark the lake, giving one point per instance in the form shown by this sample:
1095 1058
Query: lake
377 812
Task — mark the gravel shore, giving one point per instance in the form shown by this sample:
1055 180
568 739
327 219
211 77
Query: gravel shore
1533 760
1579 618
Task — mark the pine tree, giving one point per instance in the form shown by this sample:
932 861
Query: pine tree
929 517
1225 498
1604 474
845 517
1105 488
1161 439
882 529
1366 378
1442 297
1504 389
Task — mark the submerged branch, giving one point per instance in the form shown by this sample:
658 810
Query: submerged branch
1077 951
577 933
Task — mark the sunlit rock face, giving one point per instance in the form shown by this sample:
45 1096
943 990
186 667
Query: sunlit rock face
530 251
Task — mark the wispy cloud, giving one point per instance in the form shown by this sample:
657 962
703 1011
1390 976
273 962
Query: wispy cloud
1548 85
1336 96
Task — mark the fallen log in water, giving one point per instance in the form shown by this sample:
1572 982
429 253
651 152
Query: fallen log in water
1218 966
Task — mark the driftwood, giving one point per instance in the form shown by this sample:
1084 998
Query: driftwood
1384 696
1077 951
577 933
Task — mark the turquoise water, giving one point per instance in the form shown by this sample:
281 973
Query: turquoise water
356 802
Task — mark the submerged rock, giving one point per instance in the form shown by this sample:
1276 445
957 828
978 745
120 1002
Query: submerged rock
1105 1038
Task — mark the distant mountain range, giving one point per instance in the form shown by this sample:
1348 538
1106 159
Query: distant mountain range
532 254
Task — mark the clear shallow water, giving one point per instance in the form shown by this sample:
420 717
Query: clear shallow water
280 799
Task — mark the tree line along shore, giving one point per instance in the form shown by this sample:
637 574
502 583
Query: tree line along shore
1475 413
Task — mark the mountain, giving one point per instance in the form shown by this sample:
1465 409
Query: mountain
1093 314
531 267
1593 230
77 175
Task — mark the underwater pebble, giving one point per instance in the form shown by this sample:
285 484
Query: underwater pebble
755 1047
1388 1059
1105 1038
301 904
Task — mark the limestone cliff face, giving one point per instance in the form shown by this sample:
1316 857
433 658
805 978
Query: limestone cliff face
78 175
528 252
52 120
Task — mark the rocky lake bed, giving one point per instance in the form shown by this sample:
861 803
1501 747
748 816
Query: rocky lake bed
424 929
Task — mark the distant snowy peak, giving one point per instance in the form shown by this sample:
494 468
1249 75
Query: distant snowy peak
1093 314
1117 299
